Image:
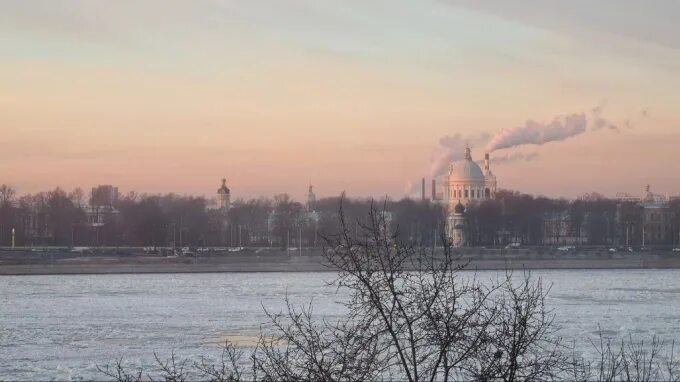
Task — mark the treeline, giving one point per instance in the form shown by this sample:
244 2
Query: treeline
520 218
412 315
60 218
63 218
590 220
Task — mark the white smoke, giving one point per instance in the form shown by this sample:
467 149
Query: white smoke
452 148
516 157
535 133
410 189
600 122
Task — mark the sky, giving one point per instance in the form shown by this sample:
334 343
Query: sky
160 96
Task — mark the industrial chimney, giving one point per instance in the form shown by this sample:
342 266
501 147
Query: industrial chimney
434 190
422 192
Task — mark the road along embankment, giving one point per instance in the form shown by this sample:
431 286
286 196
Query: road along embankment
65 262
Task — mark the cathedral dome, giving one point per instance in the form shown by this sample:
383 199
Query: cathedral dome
466 170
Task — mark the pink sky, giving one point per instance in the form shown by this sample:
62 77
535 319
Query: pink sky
172 96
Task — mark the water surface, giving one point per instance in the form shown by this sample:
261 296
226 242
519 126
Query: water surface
61 327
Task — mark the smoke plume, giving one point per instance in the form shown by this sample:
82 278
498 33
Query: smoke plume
516 157
452 148
535 133
599 122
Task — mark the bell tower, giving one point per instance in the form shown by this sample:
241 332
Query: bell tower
311 199
224 196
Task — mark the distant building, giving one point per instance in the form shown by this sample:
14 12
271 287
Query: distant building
311 199
656 219
457 226
302 225
467 183
645 220
464 184
559 229
224 196
102 207
104 195
311 216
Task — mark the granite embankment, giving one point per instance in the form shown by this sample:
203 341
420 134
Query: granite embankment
100 261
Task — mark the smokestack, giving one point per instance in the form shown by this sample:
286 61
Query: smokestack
422 193
486 162
434 190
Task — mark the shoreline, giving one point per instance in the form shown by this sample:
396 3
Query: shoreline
69 264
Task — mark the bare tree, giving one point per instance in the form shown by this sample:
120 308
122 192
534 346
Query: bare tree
303 348
433 323
229 369
7 194
118 372
628 360
413 315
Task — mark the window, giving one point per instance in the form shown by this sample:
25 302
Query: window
466 194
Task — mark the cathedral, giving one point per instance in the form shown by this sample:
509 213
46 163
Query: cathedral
465 183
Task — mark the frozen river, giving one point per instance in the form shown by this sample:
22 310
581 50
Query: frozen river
61 327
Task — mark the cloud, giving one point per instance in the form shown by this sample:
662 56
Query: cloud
647 22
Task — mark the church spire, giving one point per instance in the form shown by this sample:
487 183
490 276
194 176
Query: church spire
468 153
311 198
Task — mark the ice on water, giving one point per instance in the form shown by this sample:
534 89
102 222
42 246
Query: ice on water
61 327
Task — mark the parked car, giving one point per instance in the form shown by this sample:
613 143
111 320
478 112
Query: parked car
676 249
612 250
513 246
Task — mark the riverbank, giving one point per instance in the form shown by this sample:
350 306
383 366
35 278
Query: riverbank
247 260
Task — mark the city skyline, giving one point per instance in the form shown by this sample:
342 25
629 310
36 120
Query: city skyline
167 96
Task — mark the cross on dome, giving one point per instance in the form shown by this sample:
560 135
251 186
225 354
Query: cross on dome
468 153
